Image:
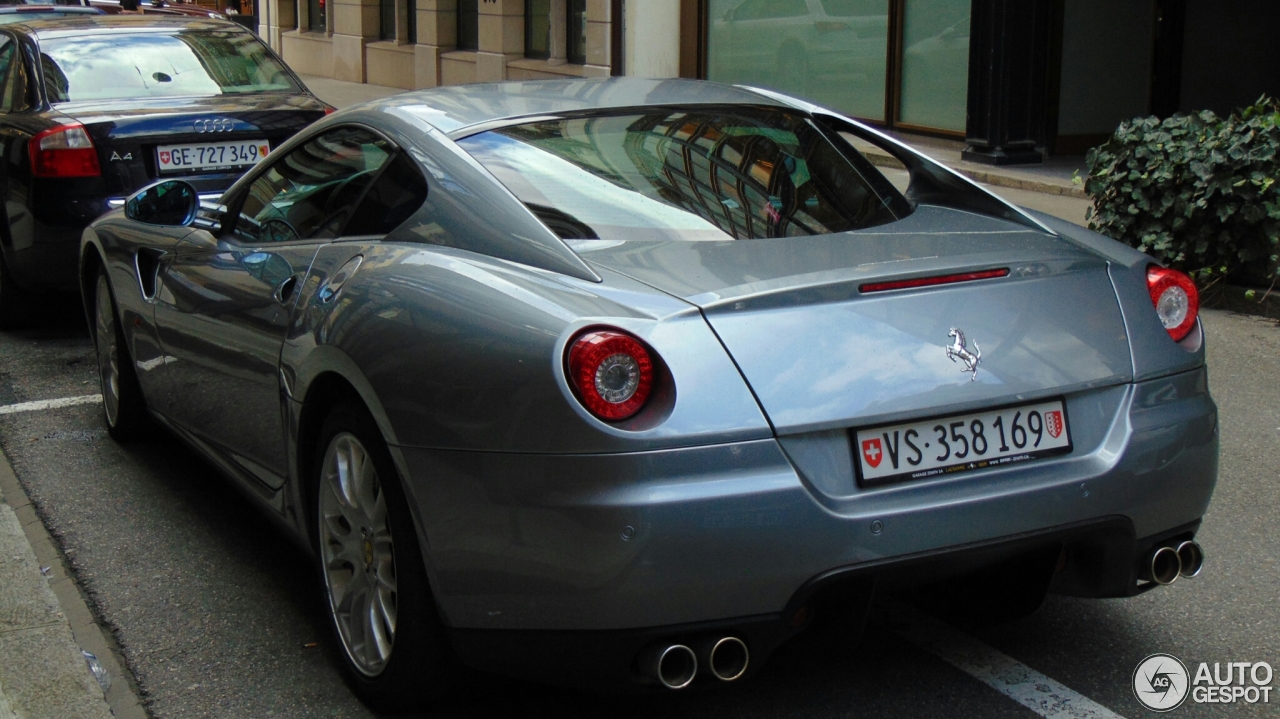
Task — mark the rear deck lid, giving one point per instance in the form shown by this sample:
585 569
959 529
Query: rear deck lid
820 352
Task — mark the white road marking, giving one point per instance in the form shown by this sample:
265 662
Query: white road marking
50 403
1031 689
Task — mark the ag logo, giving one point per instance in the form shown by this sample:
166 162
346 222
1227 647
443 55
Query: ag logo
872 452
1161 682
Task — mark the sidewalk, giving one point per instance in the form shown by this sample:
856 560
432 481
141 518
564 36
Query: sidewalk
1053 177
44 625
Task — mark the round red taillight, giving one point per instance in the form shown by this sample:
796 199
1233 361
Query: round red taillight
611 372
1176 300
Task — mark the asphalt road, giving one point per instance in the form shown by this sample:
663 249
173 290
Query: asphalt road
213 609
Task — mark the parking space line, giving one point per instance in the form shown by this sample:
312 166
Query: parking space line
1021 683
50 403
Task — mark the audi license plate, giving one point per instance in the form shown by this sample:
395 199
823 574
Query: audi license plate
210 156
959 443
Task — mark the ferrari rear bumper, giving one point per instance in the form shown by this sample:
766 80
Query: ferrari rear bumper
700 536
607 659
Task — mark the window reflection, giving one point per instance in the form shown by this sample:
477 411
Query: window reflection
687 175
935 64
311 192
156 65
830 51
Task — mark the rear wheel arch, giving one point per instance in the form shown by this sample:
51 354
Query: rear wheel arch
322 391
420 665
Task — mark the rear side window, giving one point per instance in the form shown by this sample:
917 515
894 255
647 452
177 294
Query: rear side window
397 194
310 192
704 174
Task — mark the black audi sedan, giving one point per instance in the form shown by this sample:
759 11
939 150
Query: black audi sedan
94 108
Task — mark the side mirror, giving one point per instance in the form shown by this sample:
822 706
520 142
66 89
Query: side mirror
171 202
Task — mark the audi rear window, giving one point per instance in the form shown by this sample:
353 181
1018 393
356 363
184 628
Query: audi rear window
689 174
145 65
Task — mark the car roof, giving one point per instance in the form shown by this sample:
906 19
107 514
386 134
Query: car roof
455 107
74 25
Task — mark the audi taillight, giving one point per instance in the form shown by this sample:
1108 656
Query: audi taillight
64 151
611 372
1176 300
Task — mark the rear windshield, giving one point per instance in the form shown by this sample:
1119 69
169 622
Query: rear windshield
109 67
748 173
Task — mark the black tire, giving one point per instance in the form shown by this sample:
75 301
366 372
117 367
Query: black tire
14 302
123 407
418 667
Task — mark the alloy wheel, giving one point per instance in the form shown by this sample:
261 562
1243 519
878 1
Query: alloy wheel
356 553
108 352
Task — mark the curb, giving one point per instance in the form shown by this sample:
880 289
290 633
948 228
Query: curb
1233 299
883 159
91 637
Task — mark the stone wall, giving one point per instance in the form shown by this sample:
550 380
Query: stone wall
350 48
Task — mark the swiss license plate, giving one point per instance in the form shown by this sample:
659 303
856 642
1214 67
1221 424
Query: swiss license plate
960 443
210 155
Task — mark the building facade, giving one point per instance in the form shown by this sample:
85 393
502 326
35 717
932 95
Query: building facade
1014 79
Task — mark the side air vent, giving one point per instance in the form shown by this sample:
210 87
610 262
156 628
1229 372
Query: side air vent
147 265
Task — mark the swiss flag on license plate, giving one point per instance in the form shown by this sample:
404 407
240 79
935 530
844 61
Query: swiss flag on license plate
872 452
164 158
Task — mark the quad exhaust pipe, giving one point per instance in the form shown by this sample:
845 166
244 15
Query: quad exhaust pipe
1166 564
675 666
728 659
1190 559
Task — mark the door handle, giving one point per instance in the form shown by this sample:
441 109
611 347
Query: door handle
284 290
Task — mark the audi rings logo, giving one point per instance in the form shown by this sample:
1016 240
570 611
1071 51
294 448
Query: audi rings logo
1161 682
217 125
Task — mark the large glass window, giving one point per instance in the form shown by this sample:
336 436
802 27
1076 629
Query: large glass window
411 34
537 29
310 193
316 16
935 64
468 24
386 19
832 52
687 175
577 31
397 194
102 67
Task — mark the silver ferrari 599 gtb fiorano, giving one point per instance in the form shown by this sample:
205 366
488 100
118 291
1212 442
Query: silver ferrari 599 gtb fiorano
654 375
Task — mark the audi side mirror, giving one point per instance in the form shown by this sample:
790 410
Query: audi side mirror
170 202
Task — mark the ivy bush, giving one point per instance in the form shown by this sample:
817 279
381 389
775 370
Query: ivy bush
1197 192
